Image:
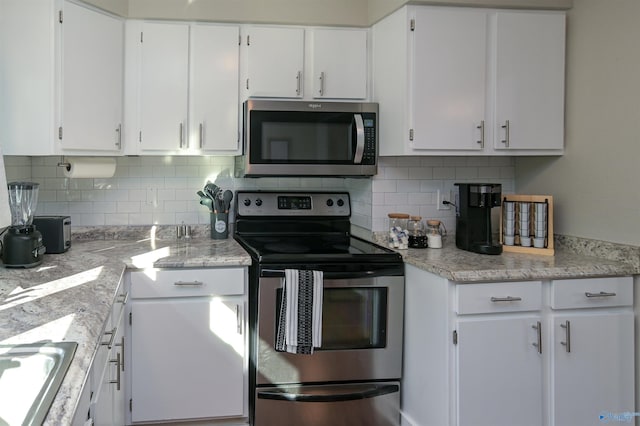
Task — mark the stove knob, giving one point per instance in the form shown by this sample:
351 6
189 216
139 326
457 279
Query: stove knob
329 202
258 202
247 202
340 202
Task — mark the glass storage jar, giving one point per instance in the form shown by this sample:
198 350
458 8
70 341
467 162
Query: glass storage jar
417 233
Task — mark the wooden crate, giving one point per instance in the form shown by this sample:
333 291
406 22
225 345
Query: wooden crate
548 249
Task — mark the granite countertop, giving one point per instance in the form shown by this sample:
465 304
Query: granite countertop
69 296
466 267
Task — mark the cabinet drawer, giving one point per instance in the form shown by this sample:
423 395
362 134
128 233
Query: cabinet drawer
592 293
187 282
498 297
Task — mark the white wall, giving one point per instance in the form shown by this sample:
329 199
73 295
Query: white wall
596 184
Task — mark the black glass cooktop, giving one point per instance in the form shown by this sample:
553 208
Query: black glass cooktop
314 248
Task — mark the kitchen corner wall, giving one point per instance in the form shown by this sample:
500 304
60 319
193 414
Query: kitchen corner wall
162 190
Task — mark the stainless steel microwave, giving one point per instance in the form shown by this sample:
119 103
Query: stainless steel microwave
298 138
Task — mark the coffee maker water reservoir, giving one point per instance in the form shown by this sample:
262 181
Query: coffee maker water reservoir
473 217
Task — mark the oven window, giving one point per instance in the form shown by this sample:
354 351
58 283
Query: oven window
352 318
304 137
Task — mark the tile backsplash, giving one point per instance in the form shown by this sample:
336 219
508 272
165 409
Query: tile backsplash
162 190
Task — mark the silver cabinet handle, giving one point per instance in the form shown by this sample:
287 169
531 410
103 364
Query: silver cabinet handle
506 299
298 82
322 83
239 319
121 345
123 298
601 294
505 141
117 362
201 135
481 128
567 343
538 344
112 335
181 134
119 136
188 283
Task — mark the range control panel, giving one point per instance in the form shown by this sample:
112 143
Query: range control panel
260 203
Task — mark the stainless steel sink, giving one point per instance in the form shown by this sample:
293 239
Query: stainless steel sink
30 376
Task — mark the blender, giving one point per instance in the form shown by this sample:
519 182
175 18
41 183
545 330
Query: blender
22 243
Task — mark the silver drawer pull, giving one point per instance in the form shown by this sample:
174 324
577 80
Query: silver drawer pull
538 328
188 283
567 342
601 294
506 299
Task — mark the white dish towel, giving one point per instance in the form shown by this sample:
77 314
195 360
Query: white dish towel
300 320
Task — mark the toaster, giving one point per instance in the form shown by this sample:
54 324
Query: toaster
56 232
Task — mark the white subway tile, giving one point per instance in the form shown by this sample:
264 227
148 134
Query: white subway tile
105 207
463 173
116 219
189 218
140 218
81 207
128 206
444 173
379 185
421 173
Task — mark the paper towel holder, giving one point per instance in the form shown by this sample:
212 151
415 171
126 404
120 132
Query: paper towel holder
64 164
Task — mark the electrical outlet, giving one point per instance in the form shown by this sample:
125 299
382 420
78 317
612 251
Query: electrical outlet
152 196
443 196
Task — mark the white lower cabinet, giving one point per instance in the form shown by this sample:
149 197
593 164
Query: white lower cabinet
499 371
592 352
557 353
102 401
188 345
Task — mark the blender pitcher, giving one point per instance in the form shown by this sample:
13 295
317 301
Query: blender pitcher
22 243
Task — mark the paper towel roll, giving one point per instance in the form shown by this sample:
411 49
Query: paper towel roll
90 167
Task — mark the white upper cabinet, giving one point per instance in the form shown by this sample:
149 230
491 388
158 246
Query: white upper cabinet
61 72
92 80
182 88
450 101
214 88
164 84
529 80
313 63
339 63
465 81
275 62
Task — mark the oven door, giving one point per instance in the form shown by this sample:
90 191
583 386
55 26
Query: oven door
362 330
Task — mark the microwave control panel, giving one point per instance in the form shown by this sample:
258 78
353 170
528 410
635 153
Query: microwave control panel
369 155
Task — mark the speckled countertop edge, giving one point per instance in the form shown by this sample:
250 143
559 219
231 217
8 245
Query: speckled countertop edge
74 292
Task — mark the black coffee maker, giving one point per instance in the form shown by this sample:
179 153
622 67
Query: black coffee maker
473 217
22 243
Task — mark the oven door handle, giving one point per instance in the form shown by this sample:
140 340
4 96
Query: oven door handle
332 275
328 394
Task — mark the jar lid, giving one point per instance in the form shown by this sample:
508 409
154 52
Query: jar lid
416 218
433 222
398 216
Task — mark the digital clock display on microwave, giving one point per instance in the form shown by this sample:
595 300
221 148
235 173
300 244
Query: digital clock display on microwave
294 203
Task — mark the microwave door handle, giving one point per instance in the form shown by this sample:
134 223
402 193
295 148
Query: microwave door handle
357 158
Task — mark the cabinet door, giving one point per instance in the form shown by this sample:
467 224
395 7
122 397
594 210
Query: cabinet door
339 63
214 88
163 86
92 80
187 359
499 371
448 78
592 367
530 53
275 62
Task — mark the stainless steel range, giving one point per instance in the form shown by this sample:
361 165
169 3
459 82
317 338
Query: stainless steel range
353 377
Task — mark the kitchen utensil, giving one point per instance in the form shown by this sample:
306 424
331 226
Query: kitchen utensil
206 201
227 196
